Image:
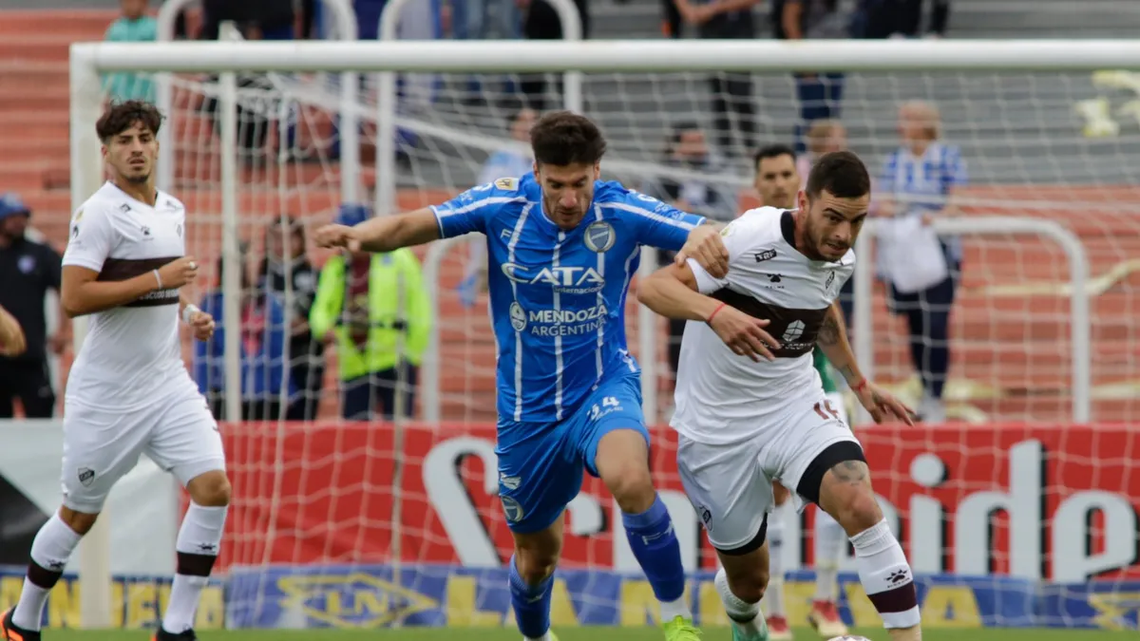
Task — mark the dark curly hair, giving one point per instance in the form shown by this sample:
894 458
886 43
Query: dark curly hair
122 116
563 138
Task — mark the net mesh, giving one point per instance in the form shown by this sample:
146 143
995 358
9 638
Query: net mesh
397 510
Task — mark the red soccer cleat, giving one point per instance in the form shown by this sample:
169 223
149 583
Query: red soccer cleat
825 619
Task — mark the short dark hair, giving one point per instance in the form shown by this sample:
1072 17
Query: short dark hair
841 173
563 138
122 116
772 151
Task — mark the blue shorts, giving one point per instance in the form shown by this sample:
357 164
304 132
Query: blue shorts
540 466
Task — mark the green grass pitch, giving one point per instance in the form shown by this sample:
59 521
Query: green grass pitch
576 634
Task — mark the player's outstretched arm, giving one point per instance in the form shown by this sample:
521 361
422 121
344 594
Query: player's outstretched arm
382 233
81 294
879 403
12 341
673 292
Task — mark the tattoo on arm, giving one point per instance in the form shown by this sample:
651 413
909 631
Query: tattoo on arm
829 332
851 472
848 373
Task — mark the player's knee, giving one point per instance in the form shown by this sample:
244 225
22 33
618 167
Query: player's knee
748 585
79 522
211 489
859 511
534 565
632 488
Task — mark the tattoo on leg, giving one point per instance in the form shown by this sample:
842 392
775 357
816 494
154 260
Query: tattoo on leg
851 471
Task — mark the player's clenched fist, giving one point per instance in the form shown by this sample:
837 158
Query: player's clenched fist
201 323
332 236
743 334
12 341
706 246
178 272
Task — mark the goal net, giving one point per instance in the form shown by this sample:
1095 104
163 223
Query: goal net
1014 511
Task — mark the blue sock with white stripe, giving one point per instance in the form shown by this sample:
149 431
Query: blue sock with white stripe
655 546
531 603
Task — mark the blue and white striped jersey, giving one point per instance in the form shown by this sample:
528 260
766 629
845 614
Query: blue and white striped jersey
922 184
558 297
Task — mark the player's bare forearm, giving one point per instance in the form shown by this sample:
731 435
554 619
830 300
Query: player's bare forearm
672 292
81 294
832 340
389 233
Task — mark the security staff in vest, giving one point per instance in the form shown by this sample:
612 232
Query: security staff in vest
376 309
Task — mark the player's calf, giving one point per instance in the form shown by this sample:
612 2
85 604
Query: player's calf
197 546
531 578
846 494
622 462
774 598
741 583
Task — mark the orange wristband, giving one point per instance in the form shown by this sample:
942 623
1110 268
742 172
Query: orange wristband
719 307
858 387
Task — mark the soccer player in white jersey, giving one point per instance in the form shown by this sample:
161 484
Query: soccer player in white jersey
778 182
129 392
750 408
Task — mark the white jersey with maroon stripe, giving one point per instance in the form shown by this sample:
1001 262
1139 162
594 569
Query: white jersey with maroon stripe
724 398
131 353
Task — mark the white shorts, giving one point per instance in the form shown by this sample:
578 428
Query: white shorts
730 486
100 446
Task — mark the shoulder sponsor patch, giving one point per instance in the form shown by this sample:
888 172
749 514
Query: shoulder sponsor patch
507 184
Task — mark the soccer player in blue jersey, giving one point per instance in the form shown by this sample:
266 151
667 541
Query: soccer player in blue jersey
562 247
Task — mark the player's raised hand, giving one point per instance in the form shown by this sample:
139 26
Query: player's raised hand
12 341
202 324
337 236
743 334
881 404
706 246
178 272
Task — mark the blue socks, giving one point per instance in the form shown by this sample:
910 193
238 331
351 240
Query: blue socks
656 549
531 603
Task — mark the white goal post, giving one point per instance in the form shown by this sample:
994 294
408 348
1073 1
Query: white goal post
89 60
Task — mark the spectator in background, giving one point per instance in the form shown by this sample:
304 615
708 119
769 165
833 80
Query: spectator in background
265 381
133 25
899 18
509 162
819 94
824 137
671 19
287 265
541 22
376 309
917 184
687 149
257 19
484 20
732 92
28 270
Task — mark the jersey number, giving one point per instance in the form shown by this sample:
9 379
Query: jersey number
608 402
826 405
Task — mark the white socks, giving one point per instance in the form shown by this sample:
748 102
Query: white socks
743 615
197 546
886 576
774 596
830 543
51 550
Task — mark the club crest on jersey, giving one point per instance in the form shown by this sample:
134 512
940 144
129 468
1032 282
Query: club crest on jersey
518 317
599 236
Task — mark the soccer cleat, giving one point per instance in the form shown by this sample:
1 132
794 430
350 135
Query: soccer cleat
737 635
681 629
11 632
778 629
163 635
824 617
